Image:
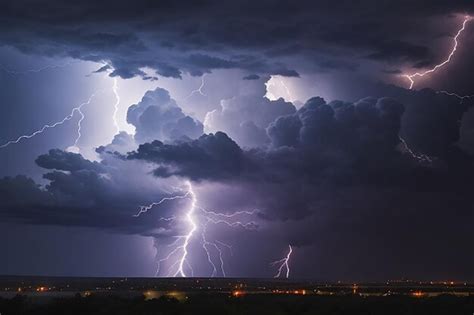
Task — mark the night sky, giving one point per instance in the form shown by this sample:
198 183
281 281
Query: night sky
212 138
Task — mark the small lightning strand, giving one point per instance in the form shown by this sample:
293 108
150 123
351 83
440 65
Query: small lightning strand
287 90
110 69
214 244
221 259
198 90
231 215
283 263
14 72
229 247
55 124
205 243
249 225
462 98
419 157
170 219
117 102
411 77
190 268
169 256
79 127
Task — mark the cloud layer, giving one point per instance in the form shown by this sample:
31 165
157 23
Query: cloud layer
274 37
332 174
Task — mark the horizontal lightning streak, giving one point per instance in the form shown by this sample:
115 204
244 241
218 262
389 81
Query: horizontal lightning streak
460 97
216 218
28 71
144 209
231 215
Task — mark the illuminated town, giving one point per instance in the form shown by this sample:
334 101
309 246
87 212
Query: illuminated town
181 288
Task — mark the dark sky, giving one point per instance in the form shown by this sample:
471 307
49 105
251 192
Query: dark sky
262 124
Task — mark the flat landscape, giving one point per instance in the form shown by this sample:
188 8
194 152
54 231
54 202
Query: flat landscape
64 295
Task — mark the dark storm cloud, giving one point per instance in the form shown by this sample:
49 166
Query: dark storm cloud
467 132
340 180
251 77
320 154
14 189
316 139
65 161
394 49
208 62
322 158
103 69
83 193
265 37
213 156
433 121
284 131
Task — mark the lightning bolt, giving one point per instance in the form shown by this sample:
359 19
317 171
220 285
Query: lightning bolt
117 102
77 109
411 77
110 69
197 218
79 128
283 264
187 237
198 90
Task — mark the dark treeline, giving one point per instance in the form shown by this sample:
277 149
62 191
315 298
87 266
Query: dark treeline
254 304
